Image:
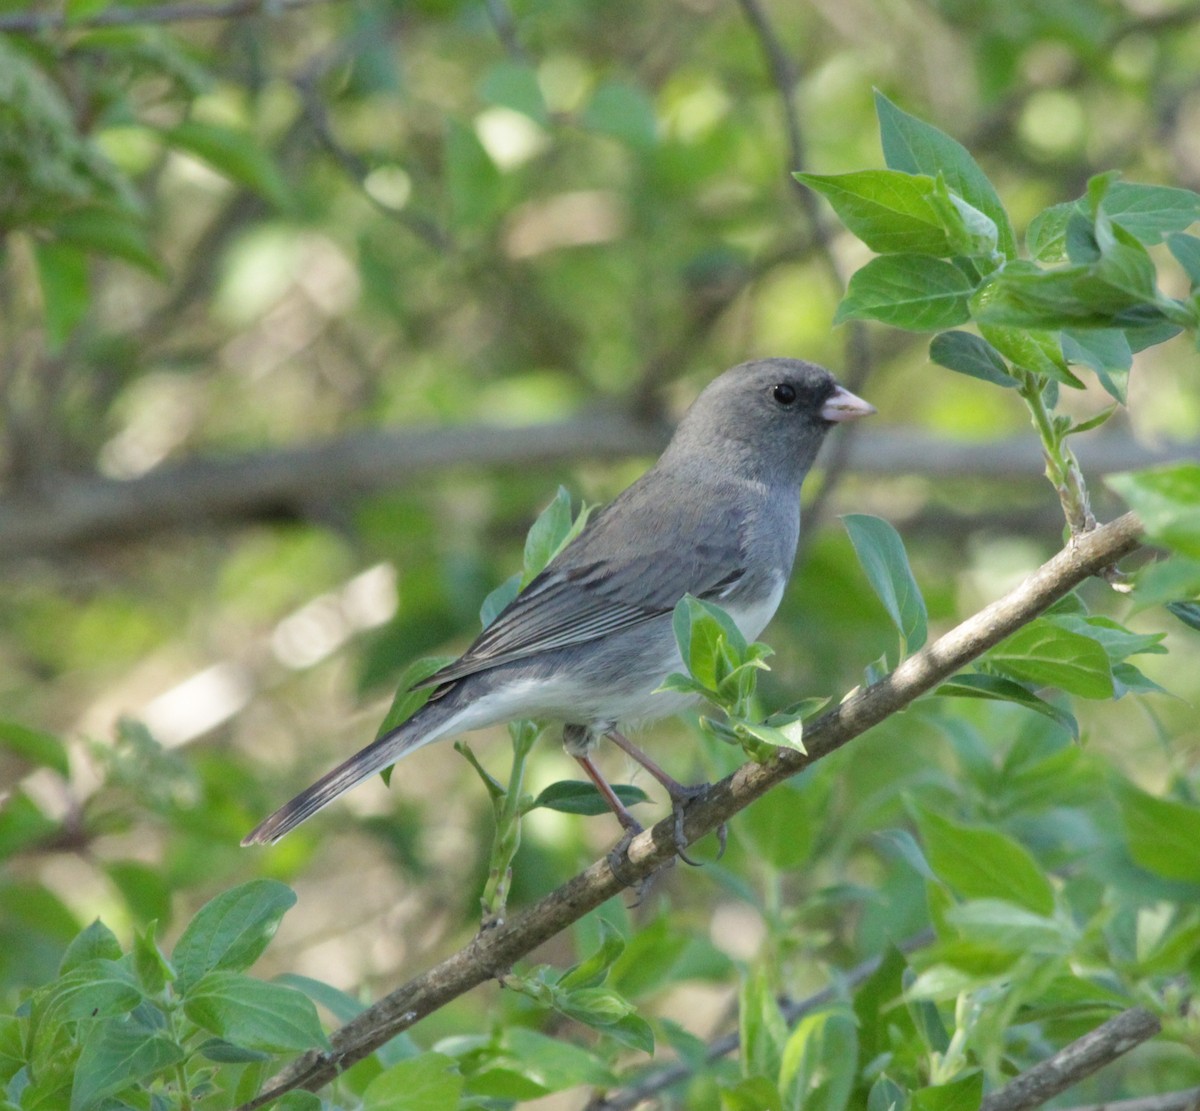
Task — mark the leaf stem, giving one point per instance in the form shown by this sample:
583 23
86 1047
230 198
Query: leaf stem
508 807
1062 468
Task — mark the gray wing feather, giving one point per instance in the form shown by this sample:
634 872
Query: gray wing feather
601 584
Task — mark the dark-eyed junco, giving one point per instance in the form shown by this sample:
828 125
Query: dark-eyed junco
589 640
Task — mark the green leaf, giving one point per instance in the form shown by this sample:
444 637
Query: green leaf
915 147
709 641
963 1094
1106 351
115 1056
254 1014
1044 654
95 942
1085 296
1187 612
1164 835
1001 925
231 930
593 969
624 112
1167 499
63 275
515 85
1046 237
553 530
234 154
153 969
971 355
890 212
788 736
1150 212
23 824
108 230
1186 249
95 989
881 553
1032 349
997 688
984 863
410 694
761 1025
752 1093
474 184
493 606
417 1084
915 292
820 1061
570 796
35 746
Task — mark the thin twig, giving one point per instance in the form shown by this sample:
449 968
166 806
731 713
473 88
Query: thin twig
1073 1062
506 29
493 952
34 23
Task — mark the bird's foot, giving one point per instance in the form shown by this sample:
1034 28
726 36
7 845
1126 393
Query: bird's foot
618 863
680 797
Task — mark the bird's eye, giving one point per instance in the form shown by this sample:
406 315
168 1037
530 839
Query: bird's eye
784 393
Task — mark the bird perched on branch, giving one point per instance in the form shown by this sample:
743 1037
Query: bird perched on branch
589 640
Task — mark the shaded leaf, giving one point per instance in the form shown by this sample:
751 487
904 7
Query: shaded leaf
569 796
915 292
971 355
254 1014
885 563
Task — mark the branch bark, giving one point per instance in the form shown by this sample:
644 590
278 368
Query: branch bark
491 953
62 512
1073 1062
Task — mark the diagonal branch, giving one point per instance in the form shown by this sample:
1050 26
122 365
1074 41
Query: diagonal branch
1073 1062
491 953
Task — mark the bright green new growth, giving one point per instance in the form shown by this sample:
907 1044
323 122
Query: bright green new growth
1087 296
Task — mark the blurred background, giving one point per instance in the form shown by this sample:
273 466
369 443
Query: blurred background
306 312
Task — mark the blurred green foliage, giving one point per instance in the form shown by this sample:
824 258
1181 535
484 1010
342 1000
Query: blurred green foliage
221 239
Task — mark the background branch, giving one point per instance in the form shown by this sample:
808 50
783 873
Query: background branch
32 23
62 512
493 952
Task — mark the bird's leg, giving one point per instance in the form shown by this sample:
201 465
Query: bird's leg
628 822
679 793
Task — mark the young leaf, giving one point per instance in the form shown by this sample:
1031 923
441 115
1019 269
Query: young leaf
515 85
915 292
984 863
709 641
915 147
1186 249
95 942
35 746
1044 654
63 276
553 530
1106 351
410 695
236 155
625 112
997 688
1167 499
1046 236
890 212
231 930
593 969
971 355
570 796
1150 212
417 1084
881 553
115 1056
962 1094
1164 835
254 1014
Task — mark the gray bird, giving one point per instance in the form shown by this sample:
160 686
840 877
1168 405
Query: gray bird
589 640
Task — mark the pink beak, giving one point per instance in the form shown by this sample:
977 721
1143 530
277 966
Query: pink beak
843 405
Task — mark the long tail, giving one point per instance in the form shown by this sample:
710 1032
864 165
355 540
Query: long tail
433 720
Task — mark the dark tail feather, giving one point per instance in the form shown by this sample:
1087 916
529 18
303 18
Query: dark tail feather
379 754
